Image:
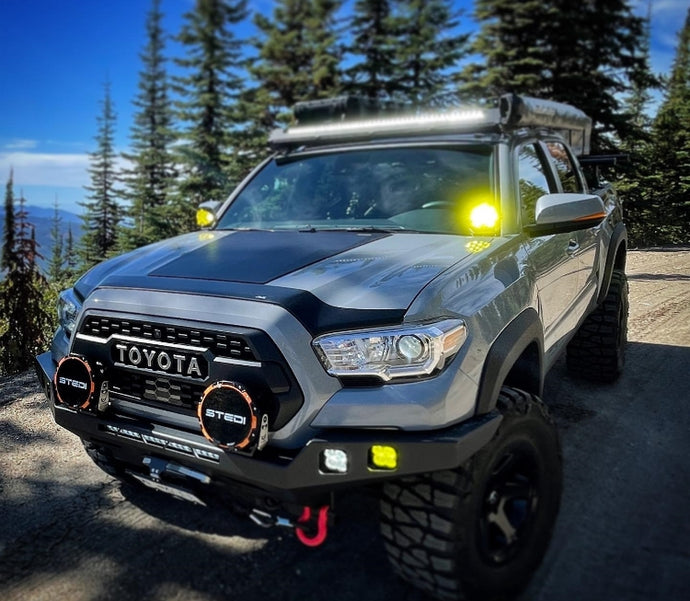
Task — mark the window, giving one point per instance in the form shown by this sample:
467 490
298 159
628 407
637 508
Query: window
419 189
532 179
569 177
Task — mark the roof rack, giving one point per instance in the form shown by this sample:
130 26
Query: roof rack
349 119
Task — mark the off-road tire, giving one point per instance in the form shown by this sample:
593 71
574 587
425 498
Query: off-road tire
597 351
449 532
102 457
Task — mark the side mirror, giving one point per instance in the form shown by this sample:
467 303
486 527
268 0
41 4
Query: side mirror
559 213
206 214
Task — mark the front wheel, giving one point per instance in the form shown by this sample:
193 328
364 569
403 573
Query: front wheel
480 531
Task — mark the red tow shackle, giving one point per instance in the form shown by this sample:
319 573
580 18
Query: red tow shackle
321 527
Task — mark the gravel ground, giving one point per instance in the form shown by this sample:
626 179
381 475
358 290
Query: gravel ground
70 532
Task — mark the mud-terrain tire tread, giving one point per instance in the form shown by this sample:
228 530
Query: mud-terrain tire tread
426 520
597 351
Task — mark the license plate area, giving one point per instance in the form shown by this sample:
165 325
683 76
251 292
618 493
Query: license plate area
175 491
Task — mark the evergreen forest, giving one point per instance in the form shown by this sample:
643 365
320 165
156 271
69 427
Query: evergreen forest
199 128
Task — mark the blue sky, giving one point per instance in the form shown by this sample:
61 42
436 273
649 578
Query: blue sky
55 56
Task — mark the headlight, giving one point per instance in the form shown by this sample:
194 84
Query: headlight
68 307
389 353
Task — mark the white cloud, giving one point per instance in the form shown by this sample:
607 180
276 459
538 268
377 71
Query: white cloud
62 144
44 169
21 144
41 169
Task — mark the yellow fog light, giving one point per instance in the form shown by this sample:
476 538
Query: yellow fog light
205 218
383 457
484 217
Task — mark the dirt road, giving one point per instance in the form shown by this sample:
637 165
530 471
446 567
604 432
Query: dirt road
69 532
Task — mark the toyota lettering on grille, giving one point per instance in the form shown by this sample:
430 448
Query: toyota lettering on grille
171 362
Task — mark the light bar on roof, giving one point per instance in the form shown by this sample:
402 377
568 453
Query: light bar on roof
512 113
448 121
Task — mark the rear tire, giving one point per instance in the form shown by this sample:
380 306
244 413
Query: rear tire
597 351
480 531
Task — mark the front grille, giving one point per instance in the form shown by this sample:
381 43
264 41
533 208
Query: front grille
156 389
220 343
141 377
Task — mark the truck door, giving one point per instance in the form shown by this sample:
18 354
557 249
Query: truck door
572 180
551 257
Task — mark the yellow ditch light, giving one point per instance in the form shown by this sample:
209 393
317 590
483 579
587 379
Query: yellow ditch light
383 457
205 217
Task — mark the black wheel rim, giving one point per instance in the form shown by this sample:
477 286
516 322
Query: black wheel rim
509 506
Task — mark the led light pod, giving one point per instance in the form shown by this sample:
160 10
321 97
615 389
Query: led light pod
484 217
228 416
333 461
383 457
74 382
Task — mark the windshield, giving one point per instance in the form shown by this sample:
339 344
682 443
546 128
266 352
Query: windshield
418 189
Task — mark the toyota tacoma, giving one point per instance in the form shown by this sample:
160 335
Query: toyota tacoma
376 305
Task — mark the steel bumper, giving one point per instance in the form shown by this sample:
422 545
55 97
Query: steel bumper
287 475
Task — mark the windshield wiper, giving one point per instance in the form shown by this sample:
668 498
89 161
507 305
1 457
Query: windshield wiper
356 228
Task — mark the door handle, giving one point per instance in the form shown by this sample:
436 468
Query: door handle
573 246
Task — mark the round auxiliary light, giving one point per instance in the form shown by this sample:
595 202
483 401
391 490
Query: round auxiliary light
74 383
228 416
410 347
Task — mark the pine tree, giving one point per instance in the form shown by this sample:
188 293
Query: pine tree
102 212
375 37
70 256
297 53
56 270
209 93
8 257
668 208
581 52
297 59
149 183
633 174
512 45
642 82
25 324
595 68
429 52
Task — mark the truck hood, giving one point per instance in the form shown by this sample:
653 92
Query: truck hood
343 269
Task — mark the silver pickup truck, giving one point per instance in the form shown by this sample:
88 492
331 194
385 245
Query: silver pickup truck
376 304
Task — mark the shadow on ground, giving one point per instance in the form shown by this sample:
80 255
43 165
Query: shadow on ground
618 536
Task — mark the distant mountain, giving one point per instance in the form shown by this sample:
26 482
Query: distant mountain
42 219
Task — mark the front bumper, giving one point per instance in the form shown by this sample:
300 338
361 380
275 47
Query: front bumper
294 476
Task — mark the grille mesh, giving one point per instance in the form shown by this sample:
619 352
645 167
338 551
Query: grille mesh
221 344
158 389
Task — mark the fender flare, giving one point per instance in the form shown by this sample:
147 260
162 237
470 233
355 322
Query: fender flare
619 238
505 352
